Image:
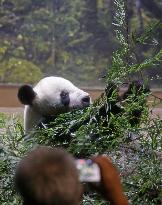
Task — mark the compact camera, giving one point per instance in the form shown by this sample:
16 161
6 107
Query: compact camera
88 170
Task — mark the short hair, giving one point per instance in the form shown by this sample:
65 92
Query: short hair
48 176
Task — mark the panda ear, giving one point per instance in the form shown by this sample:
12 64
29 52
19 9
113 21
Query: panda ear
26 94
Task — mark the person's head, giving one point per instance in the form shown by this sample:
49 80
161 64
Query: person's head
48 176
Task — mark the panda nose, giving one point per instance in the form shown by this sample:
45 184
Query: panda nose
86 100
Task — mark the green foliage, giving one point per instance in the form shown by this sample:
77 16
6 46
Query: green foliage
42 31
8 158
19 71
135 150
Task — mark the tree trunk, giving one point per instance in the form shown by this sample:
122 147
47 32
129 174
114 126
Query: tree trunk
90 17
139 15
152 7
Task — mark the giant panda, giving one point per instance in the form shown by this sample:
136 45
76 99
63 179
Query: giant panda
50 97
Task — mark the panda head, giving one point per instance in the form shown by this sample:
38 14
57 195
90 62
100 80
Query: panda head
53 95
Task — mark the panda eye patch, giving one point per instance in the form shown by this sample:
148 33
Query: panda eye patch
65 98
64 94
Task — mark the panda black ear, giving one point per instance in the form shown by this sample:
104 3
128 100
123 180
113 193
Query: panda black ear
26 94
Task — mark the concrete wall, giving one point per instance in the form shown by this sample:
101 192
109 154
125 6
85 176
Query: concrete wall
8 95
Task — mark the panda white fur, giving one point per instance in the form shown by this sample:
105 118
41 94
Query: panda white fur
51 96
